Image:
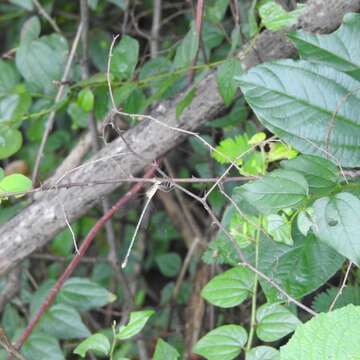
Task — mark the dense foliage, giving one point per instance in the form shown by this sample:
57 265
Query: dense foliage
274 239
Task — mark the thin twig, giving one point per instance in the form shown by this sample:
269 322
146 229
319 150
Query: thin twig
51 118
155 29
342 287
46 16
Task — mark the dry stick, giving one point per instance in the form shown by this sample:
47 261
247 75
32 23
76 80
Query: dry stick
46 16
51 118
76 259
342 287
155 29
8 346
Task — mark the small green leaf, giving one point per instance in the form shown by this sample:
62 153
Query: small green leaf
187 50
224 342
185 102
334 335
63 322
169 264
165 351
10 141
137 321
125 57
83 294
257 139
30 30
274 17
86 99
279 190
274 321
337 223
96 342
231 149
230 288
305 220
280 151
15 183
279 228
226 79
78 116
263 353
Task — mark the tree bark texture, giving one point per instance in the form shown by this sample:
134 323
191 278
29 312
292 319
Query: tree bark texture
44 217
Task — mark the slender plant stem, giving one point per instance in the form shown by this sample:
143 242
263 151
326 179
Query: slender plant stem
254 294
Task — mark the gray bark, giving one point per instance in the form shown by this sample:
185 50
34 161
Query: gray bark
38 223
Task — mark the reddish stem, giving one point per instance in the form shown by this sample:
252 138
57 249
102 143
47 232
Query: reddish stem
74 262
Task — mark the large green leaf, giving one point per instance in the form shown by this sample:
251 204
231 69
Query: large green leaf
84 294
15 183
337 223
96 342
63 322
224 342
278 190
304 104
339 50
230 288
334 335
321 174
187 50
274 321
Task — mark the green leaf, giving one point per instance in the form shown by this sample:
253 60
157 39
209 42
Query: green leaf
254 164
96 342
274 17
257 139
263 353
224 342
226 79
63 322
231 149
11 321
339 49
42 61
334 335
278 190
86 99
125 57
119 3
185 102
137 321
215 10
165 351
307 116
349 295
280 151
25 4
279 228
230 288
274 321
169 264
2 173
99 49
322 175
15 183
9 77
212 35
83 294
187 50
337 223
78 116
30 30
41 346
